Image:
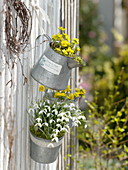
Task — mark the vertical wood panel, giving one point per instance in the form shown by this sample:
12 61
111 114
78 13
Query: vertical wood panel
16 99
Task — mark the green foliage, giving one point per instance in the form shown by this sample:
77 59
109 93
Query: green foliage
106 137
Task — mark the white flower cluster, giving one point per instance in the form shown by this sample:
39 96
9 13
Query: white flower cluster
54 119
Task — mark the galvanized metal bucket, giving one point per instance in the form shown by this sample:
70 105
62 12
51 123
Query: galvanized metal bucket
40 152
53 70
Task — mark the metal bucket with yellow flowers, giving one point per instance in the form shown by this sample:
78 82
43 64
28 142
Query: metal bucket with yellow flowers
54 66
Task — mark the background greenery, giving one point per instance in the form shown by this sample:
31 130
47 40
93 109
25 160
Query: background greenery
104 144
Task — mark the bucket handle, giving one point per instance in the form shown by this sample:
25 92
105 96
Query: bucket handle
45 35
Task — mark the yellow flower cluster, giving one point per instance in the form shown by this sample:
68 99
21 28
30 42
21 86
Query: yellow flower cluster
66 94
71 96
63 45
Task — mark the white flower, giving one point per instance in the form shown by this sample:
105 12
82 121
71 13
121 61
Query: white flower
39 120
61 114
82 117
36 106
51 121
56 131
53 135
48 114
50 145
46 124
45 111
58 125
85 126
55 111
41 104
55 139
73 119
38 124
48 107
64 129
40 112
48 101
65 118
74 124
72 105
67 126
68 113
31 111
59 120
66 106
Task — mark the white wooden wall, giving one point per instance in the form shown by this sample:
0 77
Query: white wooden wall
15 99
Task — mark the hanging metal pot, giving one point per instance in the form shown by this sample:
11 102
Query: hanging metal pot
40 150
53 70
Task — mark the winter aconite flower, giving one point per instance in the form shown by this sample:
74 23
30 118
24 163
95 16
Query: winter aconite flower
61 28
64 45
41 88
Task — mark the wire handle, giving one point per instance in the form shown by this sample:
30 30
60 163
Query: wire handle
45 35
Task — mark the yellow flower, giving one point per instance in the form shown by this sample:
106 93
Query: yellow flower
59 95
57 49
66 36
65 43
70 51
77 48
61 28
59 36
65 52
76 94
80 91
71 96
75 41
54 37
77 89
41 88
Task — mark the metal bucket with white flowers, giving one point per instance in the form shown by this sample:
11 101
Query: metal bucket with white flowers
53 68
42 150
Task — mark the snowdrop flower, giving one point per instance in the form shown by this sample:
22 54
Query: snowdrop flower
55 139
73 119
72 105
39 120
75 124
55 111
50 145
59 126
85 126
48 114
38 124
82 117
66 106
36 106
31 111
64 129
61 114
41 104
56 131
59 120
48 101
48 107
53 135
67 126
65 118
46 124
45 111
40 112
51 121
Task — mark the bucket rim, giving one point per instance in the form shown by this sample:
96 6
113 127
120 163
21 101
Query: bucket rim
44 142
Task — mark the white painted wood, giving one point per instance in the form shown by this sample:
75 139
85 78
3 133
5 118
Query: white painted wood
14 100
